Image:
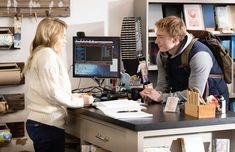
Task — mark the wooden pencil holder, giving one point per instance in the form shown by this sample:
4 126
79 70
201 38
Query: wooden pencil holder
195 108
200 111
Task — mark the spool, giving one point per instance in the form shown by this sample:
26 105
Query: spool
6 39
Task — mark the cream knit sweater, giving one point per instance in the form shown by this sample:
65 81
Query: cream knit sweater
49 89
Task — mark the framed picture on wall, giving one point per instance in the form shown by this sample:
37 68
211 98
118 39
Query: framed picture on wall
193 17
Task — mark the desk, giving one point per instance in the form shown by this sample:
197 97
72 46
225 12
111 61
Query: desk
92 126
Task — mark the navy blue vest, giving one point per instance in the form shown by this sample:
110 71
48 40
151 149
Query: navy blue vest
178 76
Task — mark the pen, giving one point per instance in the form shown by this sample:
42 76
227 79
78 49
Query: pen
124 111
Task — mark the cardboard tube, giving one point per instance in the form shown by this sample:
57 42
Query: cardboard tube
10 77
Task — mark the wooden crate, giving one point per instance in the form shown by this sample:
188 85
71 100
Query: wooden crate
200 111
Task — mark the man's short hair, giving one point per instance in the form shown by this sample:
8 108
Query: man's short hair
173 25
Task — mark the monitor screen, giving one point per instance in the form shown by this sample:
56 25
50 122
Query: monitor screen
96 57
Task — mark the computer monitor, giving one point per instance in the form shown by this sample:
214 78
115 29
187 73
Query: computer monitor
96 57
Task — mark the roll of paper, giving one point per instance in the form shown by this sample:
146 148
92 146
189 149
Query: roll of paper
6 39
10 77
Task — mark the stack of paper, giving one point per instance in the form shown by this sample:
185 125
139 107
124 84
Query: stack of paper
122 109
192 144
221 145
223 18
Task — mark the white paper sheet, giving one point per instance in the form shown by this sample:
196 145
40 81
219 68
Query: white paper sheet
122 109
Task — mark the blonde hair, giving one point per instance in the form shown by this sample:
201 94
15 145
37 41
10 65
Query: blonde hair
173 25
49 32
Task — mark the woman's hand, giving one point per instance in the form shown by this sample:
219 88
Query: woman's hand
87 99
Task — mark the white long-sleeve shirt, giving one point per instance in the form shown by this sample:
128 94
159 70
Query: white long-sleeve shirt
49 89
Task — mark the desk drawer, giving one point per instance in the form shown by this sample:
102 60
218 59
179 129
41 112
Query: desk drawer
103 135
73 127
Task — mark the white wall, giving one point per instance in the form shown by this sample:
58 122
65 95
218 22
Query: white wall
94 17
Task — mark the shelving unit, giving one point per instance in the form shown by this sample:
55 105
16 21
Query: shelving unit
150 11
11 74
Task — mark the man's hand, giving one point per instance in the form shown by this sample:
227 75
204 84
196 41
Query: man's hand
150 93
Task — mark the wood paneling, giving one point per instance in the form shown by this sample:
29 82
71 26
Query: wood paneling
42 8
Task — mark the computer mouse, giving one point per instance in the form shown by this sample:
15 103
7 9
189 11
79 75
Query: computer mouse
112 96
104 98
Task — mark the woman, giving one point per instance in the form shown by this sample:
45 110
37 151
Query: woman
49 88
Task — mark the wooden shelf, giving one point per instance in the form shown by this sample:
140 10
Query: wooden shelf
40 12
56 8
16 129
15 102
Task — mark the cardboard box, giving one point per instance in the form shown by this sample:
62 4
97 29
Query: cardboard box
200 111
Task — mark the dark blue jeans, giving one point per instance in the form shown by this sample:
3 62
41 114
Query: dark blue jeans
46 138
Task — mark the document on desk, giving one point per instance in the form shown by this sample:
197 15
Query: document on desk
123 109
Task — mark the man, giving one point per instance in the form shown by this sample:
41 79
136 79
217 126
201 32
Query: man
172 39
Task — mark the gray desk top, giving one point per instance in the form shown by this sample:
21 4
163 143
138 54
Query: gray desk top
160 119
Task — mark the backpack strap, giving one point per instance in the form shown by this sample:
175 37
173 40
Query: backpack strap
185 54
185 65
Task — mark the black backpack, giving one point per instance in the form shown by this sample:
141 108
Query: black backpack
220 53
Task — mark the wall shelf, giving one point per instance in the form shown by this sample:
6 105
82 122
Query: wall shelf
15 102
55 8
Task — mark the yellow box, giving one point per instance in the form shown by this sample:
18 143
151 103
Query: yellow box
200 111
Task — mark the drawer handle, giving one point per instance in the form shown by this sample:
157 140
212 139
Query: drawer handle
105 139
